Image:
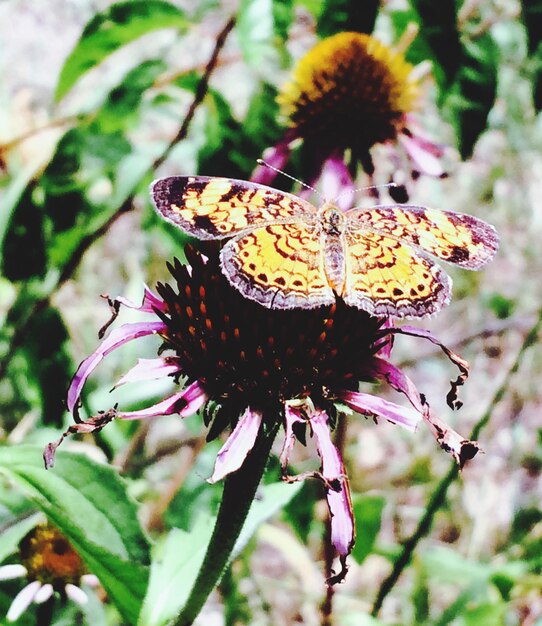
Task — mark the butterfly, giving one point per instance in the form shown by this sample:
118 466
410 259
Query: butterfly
284 253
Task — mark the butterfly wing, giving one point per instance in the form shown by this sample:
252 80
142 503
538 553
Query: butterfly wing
389 278
215 208
457 238
280 266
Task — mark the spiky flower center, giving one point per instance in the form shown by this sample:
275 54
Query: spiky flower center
247 355
349 91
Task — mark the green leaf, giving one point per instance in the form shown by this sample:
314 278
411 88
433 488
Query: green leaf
438 27
106 32
88 502
12 534
49 364
368 516
472 95
347 15
177 561
256 31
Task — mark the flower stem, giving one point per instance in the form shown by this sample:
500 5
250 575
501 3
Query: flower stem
239 491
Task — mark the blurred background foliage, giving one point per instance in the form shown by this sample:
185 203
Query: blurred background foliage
100 98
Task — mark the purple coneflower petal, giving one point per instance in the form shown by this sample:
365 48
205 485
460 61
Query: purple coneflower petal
116 338
276 156
151 369
336 183
43 594
240 442
396 378
23 600
291 415
76 594
150 303
185 403
426 162
365 403
338 499
8 572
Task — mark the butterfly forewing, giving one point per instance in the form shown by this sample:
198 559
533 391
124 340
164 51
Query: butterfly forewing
215 208
454 237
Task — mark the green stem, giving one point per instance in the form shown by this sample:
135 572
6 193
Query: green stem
239 491
438 497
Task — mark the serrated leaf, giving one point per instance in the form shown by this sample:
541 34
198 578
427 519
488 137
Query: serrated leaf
88 502
177 561
347 15
106 32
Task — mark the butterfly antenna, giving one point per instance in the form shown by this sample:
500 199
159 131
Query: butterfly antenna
387 185
276 169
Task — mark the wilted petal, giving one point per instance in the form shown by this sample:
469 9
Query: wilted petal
76 594
425 161
397 379
151 369
151 302
23 600
185 402
240 442
8 572
461 449
292 415
43 594
117 338
366 403
338 490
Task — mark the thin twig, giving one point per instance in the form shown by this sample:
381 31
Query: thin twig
73 262
438 497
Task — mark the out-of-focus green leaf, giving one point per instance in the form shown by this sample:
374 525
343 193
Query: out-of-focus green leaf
472 95
438 27
23 253
11 535
106 32
531 15
88 502
256 32
48 363
368 516
347 15
177 561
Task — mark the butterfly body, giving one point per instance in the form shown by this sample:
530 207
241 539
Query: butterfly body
284 253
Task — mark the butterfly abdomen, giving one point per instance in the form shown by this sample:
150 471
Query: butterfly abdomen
333 226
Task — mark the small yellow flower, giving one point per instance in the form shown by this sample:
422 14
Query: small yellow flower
349 91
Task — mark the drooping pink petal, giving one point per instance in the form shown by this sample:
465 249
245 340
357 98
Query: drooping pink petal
276 157
424 159
151 302
151 369
366 403
386 343
460 363
336 183
23 600
185 403
338 491
292 415
461 449
240 442
16 570
116 338
396 378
